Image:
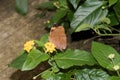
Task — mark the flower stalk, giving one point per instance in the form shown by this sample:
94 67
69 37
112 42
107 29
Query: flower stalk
115 67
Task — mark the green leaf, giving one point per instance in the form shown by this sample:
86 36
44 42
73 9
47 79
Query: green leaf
70 15
73 58
42 40
55 68
46 74
105 20
101 52
57 16
112 2
46 5
22 6
93 74
57 77
19 61
114 78
83 27
113 18
34 58
102 27
63 4
88 13
74 3
117 10
50 75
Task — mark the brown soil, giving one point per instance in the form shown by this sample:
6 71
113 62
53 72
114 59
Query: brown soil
15 30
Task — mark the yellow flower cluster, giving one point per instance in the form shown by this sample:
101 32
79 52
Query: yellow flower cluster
49 47
29 45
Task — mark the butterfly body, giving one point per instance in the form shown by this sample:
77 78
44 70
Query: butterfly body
58 37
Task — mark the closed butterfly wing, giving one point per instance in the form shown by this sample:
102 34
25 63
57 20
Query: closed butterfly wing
58 37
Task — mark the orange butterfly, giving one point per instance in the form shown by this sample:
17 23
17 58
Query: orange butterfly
58 37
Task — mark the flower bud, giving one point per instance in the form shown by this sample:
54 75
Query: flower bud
116 67
111 56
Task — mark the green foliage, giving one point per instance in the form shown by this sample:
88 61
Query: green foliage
46 5
84 74
112 2
60 13
22 6
19 61
113 18
33 59
105 20
114 78
80 15
88 13
85 15
117 10
71 64
101 53
49 75
42 41
73 58
63 4
102 63
74 3
91 74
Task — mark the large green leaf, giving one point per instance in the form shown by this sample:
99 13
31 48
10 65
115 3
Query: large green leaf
101 52
117 10
93 74
34 58
19 61
22 6
73 58
88 13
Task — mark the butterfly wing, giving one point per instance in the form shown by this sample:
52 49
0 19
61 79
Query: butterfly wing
58 37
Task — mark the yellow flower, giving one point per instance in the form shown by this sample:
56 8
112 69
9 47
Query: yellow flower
29 45
49 47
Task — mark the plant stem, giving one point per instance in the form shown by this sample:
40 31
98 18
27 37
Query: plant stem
114 29
118 73
35 77
109 34
106 34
